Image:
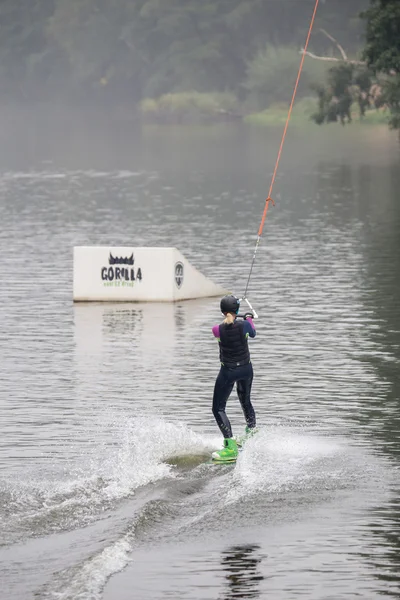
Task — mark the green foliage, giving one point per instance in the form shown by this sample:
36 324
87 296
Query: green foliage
362 84
382 51
391 95
272 73
188 106
346 84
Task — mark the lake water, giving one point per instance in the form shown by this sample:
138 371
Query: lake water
106 423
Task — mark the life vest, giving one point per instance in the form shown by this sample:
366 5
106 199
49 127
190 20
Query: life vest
233 346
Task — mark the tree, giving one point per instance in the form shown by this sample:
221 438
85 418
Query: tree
382 50
101 41
347 83
24 48
272 73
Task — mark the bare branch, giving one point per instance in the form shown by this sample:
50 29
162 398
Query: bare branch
332 59
338 46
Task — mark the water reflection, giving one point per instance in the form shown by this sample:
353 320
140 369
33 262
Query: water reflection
243 578
121 322
138 343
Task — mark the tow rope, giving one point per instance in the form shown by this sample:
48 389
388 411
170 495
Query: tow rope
269 197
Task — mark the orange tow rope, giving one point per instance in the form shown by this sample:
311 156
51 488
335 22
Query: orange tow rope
269 199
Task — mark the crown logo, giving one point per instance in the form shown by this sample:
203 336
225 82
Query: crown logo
120 260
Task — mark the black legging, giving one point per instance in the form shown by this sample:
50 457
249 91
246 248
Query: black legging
243 376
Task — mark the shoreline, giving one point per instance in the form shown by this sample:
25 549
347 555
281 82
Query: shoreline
272 117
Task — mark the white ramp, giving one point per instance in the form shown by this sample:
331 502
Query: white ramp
128 274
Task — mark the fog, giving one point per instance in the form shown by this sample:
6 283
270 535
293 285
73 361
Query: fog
78 66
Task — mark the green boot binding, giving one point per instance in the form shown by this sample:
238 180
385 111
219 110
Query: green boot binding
250 430
228 453
248 433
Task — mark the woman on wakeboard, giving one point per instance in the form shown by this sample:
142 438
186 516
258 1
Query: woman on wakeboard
236 367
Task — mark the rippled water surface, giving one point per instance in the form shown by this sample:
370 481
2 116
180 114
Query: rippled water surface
106 427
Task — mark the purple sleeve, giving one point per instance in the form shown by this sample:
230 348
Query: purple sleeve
215 331
249 327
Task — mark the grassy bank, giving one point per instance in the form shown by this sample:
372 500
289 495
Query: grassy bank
277 114
194 108
301 115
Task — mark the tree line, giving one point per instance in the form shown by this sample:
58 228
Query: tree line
126 50
374 80
119 52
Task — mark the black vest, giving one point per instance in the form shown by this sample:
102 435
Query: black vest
233 346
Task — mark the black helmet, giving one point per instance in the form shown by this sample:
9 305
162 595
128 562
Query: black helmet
230 304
